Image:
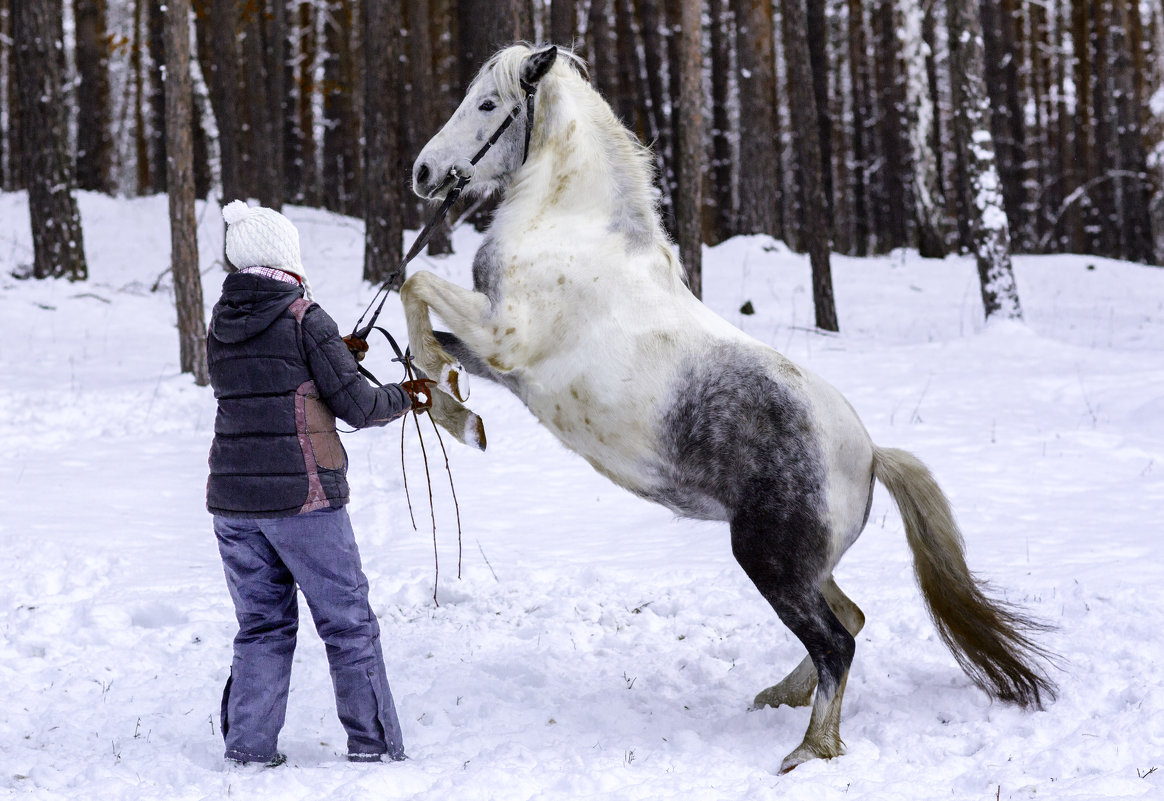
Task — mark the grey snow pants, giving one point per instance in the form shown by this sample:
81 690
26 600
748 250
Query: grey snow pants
264 559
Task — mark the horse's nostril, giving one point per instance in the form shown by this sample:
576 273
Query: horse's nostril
422 174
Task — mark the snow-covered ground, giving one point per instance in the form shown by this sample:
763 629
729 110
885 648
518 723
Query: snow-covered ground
595 646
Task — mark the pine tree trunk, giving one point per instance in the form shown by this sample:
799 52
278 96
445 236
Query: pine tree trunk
1131 69
225 97
180 187
655 56
7 95
444 101
819 61
804 122
275 57
94 137
759 185
340 127
920 111
383 228
718 212
860 85
141 145
892 208
58 246
690 139
156 131
990 235
563 22
631 99
307 181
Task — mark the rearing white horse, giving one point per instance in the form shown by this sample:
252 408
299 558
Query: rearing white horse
580 308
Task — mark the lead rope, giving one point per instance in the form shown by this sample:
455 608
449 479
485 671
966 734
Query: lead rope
461 181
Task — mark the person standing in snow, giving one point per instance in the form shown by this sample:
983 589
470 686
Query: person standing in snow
282 374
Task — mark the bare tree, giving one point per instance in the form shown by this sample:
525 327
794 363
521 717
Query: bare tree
688 204
759 160
58 246
383 196
807 133
989 230
921 115
94 138
180 187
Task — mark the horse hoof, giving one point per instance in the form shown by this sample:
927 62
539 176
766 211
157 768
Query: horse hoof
806 753
475 431
781 695
450 381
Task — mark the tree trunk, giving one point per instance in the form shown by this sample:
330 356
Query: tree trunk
58 246
655 56
94 137
804 123
340 144
180 187
819 60
690 139
275 56
563 22
383 229
719 216
306 174
759 185
156 132
928 202
225 96
1130 70
7 98
632 100
990 235
892 208
860 86
141 145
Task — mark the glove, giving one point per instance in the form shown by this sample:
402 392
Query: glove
420 390
357 346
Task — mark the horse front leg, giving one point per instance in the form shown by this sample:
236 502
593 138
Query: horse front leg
458 307
463 310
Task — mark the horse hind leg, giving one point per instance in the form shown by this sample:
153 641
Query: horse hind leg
797 687
783 573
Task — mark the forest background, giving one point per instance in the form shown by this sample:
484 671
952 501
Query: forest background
325 103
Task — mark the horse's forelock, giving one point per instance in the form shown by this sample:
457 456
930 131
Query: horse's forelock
505 68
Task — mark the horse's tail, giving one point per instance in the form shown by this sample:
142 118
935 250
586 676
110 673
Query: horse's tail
989 638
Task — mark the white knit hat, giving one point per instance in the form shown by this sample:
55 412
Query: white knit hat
260 237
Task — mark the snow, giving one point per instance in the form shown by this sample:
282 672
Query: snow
595 647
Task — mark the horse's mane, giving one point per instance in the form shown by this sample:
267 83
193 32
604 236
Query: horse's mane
632 164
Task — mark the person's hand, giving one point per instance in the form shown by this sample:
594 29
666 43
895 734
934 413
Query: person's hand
357 346
420 390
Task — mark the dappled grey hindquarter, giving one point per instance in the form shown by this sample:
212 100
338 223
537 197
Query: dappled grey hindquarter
580 307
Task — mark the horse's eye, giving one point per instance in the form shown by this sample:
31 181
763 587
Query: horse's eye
488 105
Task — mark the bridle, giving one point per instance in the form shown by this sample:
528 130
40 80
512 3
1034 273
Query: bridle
529 86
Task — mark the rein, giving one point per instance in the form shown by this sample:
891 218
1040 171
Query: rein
530 88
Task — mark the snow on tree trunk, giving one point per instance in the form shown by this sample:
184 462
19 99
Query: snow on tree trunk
927 191
58 249
989 230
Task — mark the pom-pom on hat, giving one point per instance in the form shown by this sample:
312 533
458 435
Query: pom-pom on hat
261 237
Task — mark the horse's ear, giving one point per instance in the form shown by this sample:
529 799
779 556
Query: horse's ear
537 65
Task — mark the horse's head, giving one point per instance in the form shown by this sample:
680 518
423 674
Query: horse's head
498 91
